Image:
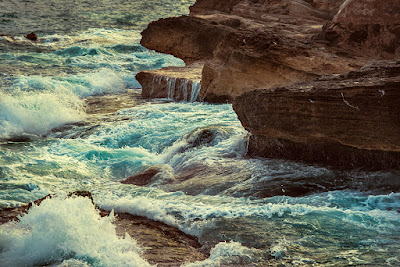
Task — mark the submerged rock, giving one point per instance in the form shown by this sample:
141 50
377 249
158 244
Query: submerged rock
143 178
207 136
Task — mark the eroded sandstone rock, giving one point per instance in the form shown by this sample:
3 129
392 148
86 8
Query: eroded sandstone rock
367 27
188 38
277 54
250 45
349 120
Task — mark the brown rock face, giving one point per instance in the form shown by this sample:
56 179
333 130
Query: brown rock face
367 27
277 53
188 38
351 120
260 8
266 58
210 6
252 45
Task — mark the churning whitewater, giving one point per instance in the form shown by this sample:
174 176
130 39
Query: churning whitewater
72 118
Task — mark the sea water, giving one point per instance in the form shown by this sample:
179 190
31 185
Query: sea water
59 133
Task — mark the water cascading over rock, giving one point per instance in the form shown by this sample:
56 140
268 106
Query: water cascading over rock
180 84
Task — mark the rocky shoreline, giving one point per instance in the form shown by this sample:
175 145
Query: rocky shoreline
314 81
163 245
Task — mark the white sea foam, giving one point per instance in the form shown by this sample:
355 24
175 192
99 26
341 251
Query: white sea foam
101 81
37 112
226 253
66 229
104 81
191 214
141 206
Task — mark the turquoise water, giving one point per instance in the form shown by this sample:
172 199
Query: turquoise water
71 118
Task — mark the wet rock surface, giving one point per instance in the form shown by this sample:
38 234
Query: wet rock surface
143 178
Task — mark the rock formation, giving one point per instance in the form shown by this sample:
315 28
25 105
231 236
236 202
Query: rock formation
253 45
367 27
143 178
349 120
299 65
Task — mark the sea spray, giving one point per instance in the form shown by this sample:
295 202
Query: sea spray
66 228
37 112
102 81
229 254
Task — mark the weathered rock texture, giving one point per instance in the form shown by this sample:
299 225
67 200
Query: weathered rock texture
251 45
350 120
189 38
368 27
257 44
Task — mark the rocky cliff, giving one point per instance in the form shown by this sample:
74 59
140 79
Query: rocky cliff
251 45
281 54
349 120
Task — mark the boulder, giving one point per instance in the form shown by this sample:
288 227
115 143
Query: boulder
143 178
31 36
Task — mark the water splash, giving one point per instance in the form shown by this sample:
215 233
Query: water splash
63 229
37 112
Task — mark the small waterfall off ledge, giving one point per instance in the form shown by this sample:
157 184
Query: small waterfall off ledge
179 89
176 83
